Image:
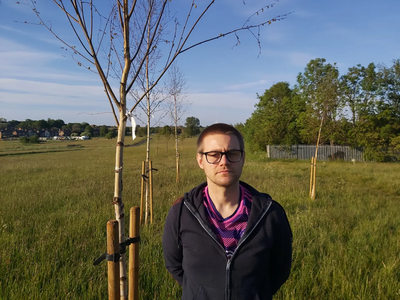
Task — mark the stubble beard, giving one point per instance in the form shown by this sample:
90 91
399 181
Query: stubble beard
226 181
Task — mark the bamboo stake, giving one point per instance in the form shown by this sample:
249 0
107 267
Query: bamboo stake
142 193
113 267
151 190
134 254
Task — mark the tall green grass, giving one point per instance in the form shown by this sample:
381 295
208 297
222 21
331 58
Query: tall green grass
55 202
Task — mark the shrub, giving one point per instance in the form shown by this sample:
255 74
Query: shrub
111 134
24 139
34 139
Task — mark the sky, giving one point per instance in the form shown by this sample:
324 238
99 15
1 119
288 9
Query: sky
39 81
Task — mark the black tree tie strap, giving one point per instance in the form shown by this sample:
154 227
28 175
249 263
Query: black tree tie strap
109 257
122 249
113 257
128 241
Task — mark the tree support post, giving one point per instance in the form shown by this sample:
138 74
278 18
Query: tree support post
314 183
177 167
134 226
113 260
311 175
142 191
315 160
151 190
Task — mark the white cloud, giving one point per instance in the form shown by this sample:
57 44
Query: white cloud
12 29
256 84
20 61
51 89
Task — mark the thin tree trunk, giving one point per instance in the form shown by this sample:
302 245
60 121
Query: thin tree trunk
118 204
148 127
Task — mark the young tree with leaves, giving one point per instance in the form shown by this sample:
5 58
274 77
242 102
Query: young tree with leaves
177 104
318 86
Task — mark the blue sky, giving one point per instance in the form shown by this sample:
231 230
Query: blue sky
38 81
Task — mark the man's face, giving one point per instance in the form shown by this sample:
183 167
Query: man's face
223 173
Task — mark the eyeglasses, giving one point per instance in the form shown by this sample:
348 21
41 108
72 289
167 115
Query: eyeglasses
214 157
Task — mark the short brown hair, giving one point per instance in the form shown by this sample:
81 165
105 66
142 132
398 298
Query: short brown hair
219 128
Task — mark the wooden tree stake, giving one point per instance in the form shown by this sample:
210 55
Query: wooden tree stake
134 226
151 190
312 195
177 167
113 267
142 192
314 166
311 175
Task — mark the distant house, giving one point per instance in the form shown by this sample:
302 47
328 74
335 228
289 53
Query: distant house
4 134
20 132
65 132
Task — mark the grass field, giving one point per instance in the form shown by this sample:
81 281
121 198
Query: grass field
56 201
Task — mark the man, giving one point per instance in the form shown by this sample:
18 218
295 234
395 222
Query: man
224 240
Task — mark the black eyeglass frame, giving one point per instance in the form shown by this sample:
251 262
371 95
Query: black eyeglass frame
222 154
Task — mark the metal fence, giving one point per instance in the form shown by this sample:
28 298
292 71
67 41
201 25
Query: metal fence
325 152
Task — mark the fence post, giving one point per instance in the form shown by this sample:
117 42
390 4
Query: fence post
113 263
134 226
268 151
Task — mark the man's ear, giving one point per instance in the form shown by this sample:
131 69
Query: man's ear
199 158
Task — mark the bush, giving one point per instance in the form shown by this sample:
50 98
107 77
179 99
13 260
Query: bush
34 139
87 133
24 139
110 135
103 130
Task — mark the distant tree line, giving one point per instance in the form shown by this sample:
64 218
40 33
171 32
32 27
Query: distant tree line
76 129
192 128
360 108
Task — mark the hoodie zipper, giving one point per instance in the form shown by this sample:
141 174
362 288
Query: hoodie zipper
228 263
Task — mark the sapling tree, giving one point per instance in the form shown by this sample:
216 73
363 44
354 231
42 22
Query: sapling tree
105 45
149 73
177 104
